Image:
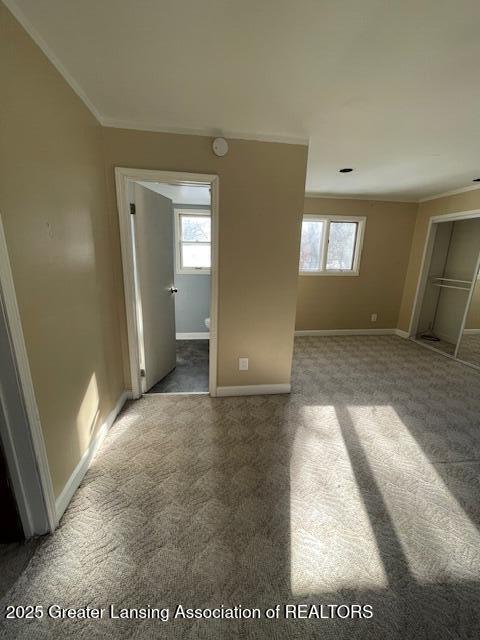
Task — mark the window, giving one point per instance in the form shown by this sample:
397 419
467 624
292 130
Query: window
331 245
193 244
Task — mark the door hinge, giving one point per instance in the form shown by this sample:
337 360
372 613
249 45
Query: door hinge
142 373
133 209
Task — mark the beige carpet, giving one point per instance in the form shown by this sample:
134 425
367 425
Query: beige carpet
469 349
361 487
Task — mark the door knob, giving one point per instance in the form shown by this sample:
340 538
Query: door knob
173 290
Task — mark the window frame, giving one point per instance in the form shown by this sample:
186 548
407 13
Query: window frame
179 268
357 254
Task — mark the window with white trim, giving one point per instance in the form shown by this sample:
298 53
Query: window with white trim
193 241
331 245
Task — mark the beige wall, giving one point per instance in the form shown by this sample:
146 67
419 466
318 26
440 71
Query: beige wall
61 225
451 204
261 200
53 206
346 302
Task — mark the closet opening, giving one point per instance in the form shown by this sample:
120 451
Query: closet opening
447 311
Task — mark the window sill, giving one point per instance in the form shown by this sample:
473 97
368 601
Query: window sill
193 272
329 273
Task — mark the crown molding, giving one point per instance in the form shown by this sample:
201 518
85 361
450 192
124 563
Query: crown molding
40 42
454 192
327 196
205 132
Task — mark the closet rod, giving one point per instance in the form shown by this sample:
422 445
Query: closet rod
450 286
452 280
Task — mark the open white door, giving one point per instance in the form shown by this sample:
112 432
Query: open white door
154 257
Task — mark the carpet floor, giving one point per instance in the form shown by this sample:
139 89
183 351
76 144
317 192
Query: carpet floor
361 487
469 349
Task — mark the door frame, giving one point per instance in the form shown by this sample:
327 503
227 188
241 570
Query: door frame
123 176
425 266
20 427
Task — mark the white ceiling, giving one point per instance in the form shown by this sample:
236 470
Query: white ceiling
389 88
181 194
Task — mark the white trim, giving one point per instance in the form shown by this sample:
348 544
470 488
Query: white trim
40 42
122 178
426 259
376 198
254 390
353 332
207 132
81 469
361 222
454 192
30 466
193 336
459 215
471 331
174 393
331 196
467 306
346 332
422 278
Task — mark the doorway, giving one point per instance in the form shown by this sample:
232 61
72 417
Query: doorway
169 235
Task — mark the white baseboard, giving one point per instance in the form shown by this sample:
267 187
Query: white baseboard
193 336
471 331
346 332
254 390
63 500
401 334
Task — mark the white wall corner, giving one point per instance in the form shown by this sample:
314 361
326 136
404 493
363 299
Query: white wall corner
81 469
254 390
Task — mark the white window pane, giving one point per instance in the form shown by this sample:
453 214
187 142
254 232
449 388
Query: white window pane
311 245
196 256
195 228
341 245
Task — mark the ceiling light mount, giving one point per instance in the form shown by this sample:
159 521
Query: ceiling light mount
345 170
476 180
220 147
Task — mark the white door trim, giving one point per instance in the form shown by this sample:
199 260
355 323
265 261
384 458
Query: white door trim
426 257
21 433
122 178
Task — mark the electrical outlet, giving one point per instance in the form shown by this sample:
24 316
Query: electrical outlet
243 364
373 317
